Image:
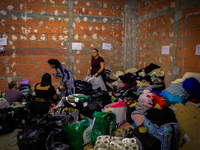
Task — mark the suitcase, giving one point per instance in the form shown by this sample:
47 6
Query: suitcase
167 134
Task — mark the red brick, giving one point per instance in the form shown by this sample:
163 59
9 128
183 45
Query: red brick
34 80
46 29
21 52
37 74
32 1
119 39
32 67
44 66
2 83
98 32
192 22
21 66
24 44
112 13
168 17
57 45
57 30
25 59
2 67
88 32
187 12
121 2
8 6
20 7
32 52
37 59
119 14
33 8
76 10
35 44
41 8
19 22
78 4
53 52
62 10
12 29
31 37
46 44
190 62
111 1
41 22
63 23
51 9
53 23
92 12
182 23
195 32
84 24
183 52
26 74
7 21
150 8
3 29
83 11
107 32
42 36
43 52
31 22
36 29
78 31
191 42
181 43
46 58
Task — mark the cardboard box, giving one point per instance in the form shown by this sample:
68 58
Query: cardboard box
189 125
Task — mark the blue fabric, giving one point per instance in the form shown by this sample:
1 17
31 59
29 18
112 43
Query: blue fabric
155 92
134 125
192 86
177 90
173 99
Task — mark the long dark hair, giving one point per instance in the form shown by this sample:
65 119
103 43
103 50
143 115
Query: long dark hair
55 62
96 51
46 80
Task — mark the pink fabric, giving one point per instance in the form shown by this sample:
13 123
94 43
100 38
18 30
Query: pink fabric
146 98
145 104
119 104
138 119
146 91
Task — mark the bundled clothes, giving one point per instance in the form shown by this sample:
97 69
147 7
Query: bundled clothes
67 80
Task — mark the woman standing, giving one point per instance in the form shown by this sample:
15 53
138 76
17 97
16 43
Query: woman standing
67 77
45 92
97 65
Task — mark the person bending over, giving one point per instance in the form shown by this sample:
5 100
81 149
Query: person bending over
67 77
13 95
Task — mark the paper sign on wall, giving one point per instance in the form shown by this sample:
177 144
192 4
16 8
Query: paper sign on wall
3 41
76 46
197 50
165 49
106 46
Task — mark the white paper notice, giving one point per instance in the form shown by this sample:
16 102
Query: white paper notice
3 41
165 49
76 46
197 50
106 46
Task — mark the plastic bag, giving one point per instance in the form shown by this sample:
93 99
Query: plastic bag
6 122
32 139
103 124
96 82
87 108
78 134
51 144
4 103
102 98
82 87
23 118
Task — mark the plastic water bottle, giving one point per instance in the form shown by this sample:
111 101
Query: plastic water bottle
3 95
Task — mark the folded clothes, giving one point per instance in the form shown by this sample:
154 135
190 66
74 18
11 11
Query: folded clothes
119 104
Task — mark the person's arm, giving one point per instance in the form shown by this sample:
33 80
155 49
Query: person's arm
55 97
89 71
102 64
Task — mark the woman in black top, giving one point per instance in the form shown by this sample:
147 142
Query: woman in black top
44 93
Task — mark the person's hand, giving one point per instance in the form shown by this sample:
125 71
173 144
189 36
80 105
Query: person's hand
88 73
96 74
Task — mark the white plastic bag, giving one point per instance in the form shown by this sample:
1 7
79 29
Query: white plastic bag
96 82
120 113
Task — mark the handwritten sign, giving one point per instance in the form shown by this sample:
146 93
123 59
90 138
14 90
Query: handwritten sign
165 49
3 41
76 46
197 50
106 46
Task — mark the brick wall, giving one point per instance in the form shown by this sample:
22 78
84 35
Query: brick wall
169 23
38 30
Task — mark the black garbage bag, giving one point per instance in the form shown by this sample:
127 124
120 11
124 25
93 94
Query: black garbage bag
30 102
87 107
83 87
32 139
102 98
55 123
51 144
23 118
6 122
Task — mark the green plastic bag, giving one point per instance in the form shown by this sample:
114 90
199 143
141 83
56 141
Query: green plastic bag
79 134
81 96
103 124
